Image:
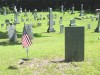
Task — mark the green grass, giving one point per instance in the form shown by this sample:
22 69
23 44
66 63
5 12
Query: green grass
48 47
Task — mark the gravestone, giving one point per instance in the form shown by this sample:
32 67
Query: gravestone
72 23
16 20
89 26
61 28
12 33
60 22
82 11
98 26
29 30
21 10
50 28
35 14
62 8
74 44
25 14
72 10
4 11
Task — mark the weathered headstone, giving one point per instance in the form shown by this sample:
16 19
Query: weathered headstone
89 26
4 11
50 28
60 22
12 33
25 14
16 20
69 10
61 28
21 10
35 14
74 44
29 30
62 8
98 26
72 23
82 11
72 10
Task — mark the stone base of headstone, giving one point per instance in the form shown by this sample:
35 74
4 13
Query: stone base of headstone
74 44
50 30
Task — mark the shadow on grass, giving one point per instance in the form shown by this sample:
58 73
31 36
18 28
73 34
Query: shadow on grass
39 35
12 68
6 43
4 35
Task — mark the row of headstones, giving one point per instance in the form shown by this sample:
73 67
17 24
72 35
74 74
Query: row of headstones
12 34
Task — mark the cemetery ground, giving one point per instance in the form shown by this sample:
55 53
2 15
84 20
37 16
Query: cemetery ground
47 51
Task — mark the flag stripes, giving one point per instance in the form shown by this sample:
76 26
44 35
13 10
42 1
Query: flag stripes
26 41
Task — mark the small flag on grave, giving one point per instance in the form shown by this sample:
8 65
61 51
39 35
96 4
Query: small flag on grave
26 41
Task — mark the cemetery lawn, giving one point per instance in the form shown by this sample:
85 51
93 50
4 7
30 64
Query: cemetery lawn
47 51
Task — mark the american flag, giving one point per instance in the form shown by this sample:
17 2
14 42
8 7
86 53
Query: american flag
26 41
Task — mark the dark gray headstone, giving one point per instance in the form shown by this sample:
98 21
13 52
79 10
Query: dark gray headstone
29 30
50 28
12 33
61 28
74 44
98 26
72 23
82 11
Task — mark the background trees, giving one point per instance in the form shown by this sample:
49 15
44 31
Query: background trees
55 4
